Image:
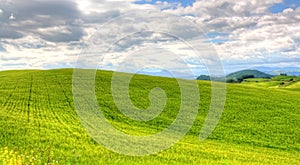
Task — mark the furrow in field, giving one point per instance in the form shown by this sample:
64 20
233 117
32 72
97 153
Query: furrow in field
7 92
29 98
17 103
55 110
37 103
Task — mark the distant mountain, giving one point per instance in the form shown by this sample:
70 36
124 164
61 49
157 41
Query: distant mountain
203 77
238 76
292 71
244 73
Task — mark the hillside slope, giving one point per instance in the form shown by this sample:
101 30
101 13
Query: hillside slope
282 82
38 123
238 76
255 73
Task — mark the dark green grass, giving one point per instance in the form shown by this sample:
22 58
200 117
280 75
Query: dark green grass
38 123
257 80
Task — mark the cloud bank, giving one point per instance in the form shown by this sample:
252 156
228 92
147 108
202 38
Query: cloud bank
45 34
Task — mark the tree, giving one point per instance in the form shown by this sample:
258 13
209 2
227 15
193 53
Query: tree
230 81
247 76
283 74
204 77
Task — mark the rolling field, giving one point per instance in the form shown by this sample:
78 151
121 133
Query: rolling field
283 82
39 124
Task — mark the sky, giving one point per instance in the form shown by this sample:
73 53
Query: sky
47 34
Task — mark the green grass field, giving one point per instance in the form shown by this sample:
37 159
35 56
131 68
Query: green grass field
283 82
39 124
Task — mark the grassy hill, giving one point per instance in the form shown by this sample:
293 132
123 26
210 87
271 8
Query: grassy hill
203 77
282 82
39 125
255 73
238 76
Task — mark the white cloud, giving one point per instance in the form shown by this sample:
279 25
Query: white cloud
242 30
253 35
35 53
288 10
45 31
101 6
229 8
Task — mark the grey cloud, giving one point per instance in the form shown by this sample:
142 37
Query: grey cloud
24 10
40 17
2 49
31 16
231 8
73 34
36 17
100 17
5 58
6 32
228 15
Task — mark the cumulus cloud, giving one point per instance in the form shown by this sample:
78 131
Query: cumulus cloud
228 8
270 34
29 17
34 52
47 34
246 31
51 33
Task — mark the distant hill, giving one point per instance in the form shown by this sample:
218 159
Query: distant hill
242 73
203 77
239 76
291 71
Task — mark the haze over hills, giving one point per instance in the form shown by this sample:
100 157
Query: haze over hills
255 73
240 75
258 72
292 71
260 79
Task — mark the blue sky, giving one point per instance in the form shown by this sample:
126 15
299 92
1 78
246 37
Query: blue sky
182 2
286 4
277 8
